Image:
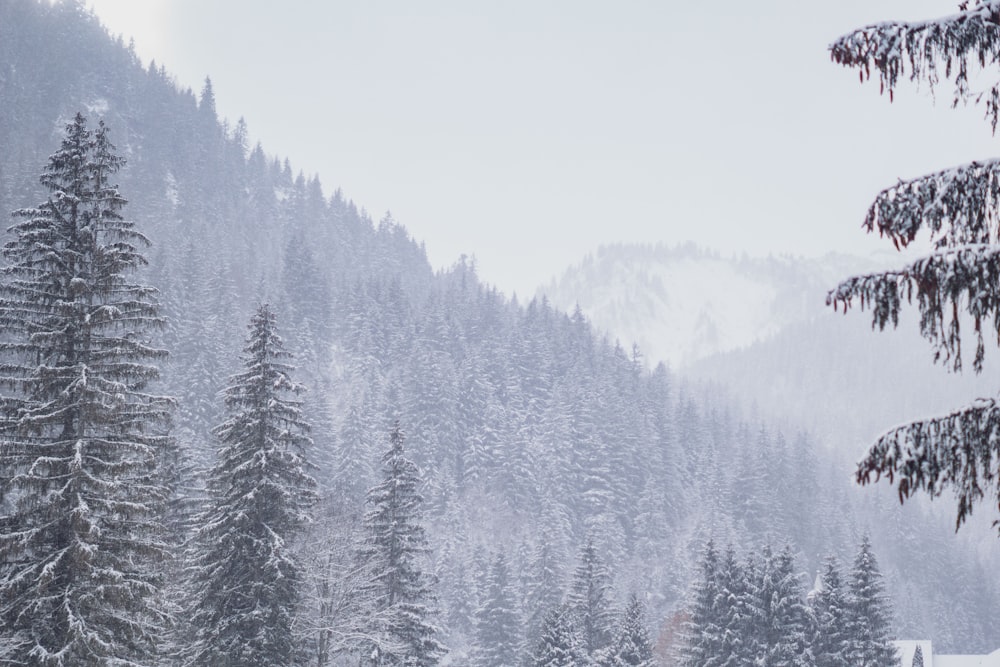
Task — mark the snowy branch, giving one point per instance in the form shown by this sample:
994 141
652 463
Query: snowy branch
943 284
958 206
959 451
971 36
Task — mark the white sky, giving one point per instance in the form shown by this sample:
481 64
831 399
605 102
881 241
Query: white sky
527 133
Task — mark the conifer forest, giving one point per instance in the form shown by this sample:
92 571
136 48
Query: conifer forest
245 423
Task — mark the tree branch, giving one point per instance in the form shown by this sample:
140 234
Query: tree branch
970 36
960 450
958 206
943 284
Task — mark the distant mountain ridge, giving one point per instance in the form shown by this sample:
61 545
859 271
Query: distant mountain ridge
684 303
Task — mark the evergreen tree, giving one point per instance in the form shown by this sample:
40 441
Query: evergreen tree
559 646
705 626
829 607
81 437
397 628
868 624
778 614
589 602
497 624
918 657
544 590
957 208
739 643
246 576
631 647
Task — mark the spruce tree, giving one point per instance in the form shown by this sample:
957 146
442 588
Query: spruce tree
779 614
869 619
918 657
705 626
954 286
631 646
246 576
589 602
544 590
559 646
497 625
396 627
81 436
830 609
739 643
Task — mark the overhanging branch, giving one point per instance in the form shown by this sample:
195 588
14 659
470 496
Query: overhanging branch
957 451
970 37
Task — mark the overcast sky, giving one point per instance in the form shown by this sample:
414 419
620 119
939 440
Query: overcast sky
527 133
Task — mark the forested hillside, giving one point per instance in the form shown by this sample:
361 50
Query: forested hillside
540 443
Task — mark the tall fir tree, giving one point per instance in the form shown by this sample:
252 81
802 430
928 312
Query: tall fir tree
778 613
829 613
918 657
543 591
246 575
589 602
559 645
869 621
631 646
705 626
397 628
81 436
498 628
738 643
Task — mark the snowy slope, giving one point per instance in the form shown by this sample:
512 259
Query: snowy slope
761 328
682 304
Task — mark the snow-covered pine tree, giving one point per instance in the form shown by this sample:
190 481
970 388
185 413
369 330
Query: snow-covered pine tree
918 657
631 647
246 577
829 607
498 629
959 209
559 645
870 613
544 590
81 436
739 643
705 626
589 602
779 614
397 627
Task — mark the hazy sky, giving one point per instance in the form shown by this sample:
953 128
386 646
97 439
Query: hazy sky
527 133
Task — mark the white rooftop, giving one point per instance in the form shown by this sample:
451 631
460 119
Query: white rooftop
991 660
907 648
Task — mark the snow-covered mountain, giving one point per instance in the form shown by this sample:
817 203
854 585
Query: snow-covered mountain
681 304
760 327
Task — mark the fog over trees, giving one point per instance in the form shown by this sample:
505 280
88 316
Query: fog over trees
392 465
